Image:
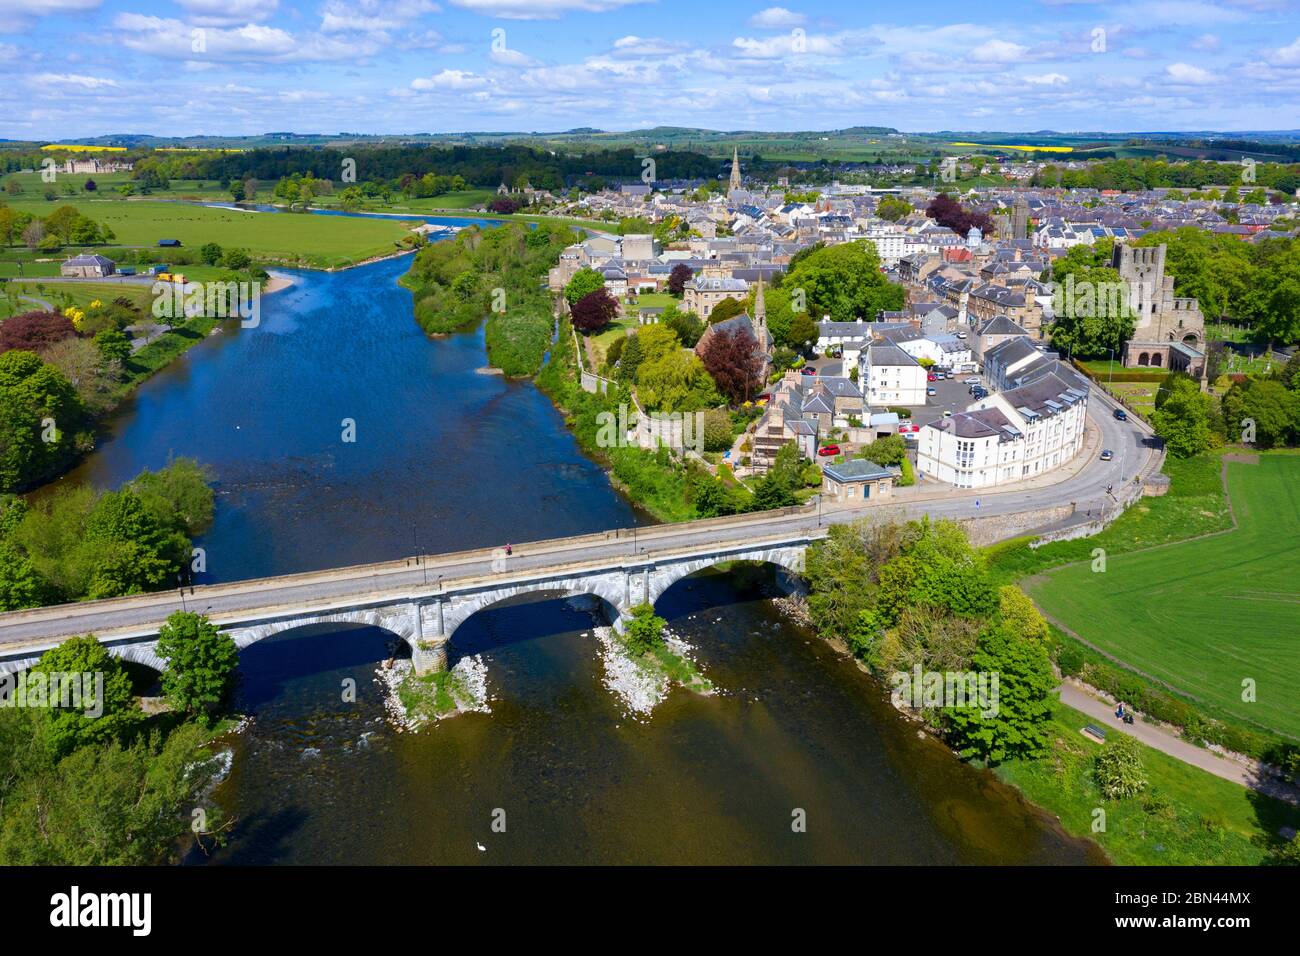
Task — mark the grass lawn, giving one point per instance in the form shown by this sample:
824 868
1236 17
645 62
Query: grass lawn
82 293
316 241
601 342
1140 396
655 300
1185 816
1204 615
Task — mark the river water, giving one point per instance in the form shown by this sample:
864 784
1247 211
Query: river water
444 458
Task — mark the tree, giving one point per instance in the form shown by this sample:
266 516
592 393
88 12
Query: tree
107 806
201 663
88 371
34 331
728 308
8 224
33 233
1263 406
89 186
1182 417
685 325
645 630
594 311
210 253
947 211
735 361
1118 768
236 259
87 721
583 283
237 191
676 382
843 281
717 430
179 496
677 279
893 209
711 497
33 395
1018 728
885 451
113 345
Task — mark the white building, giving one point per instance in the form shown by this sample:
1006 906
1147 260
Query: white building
1009 436
889 376
890 242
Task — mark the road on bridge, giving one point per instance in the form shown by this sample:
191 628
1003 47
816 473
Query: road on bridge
28 632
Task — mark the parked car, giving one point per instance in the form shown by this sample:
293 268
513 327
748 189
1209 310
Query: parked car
932 391
1107 454
1121 415
947 413
931 377
907 428
807 371
973 380
827 451
978 391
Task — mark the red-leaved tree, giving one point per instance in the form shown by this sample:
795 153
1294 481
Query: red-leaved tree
593 311
34 331
734 360
947 211
678 278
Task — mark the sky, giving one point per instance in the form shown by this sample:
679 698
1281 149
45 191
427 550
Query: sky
78 68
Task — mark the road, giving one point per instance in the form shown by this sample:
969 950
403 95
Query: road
29 631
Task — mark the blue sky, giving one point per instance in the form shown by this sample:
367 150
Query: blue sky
72 68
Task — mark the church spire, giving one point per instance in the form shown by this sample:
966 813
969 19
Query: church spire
735 168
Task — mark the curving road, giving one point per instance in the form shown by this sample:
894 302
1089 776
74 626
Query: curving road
1084 483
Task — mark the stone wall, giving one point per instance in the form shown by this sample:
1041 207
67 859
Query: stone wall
984 531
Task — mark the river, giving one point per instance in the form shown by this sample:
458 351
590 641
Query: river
446 458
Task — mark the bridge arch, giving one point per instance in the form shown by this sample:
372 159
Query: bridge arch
609 588
399 619
790 558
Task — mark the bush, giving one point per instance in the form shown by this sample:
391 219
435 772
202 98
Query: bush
1118 768
645 630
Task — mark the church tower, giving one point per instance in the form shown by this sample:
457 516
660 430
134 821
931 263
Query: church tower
735 169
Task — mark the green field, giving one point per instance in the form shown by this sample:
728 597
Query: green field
1204 615
1185 817
80 294
317 241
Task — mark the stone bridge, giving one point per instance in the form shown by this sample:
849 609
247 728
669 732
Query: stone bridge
428 621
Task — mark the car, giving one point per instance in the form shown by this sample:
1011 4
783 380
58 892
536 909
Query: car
1121 415
973 380
947 413
827 450
1107 454
961 335
907 428
979 392
931 377
932 391
807 371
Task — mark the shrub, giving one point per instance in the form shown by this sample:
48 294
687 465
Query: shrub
1118 768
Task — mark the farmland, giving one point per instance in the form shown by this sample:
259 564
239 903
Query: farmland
288 239
1211 617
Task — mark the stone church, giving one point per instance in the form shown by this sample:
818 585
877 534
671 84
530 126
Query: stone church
1170 331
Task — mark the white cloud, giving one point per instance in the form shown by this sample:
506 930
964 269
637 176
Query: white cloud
372 16
229 12
41 8
76 80
513 58
450 80
776 18
1047 79
646 46
171 39
539 9
1206 41
1186 73
1288 55
998 51
783 45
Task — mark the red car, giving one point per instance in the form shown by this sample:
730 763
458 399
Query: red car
808 371
931 377
827 450
907 429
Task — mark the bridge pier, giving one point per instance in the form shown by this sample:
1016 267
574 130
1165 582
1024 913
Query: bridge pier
429 654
